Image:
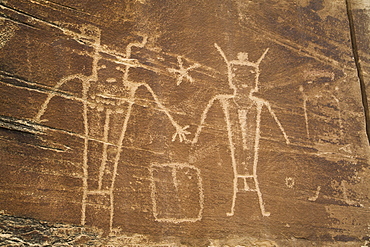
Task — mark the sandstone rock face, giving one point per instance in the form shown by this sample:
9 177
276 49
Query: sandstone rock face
186 123
359 16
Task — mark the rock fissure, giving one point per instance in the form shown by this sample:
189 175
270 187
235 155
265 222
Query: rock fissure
360 75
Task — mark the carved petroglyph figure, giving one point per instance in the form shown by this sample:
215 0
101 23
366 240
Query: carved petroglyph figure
107 94
176 192
342 188
326 97
320 103
243 79
322 107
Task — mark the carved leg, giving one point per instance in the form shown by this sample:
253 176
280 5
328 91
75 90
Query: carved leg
255 162
225 108
260 199
116 160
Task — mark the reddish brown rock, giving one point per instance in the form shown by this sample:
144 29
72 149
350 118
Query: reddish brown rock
194 123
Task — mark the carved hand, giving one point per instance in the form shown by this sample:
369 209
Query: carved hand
181 132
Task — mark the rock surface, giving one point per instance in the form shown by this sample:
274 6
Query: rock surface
359 13
185 123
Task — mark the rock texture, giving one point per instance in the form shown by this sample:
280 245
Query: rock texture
359 16
185 123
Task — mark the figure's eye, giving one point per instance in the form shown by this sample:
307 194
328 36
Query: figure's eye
253 72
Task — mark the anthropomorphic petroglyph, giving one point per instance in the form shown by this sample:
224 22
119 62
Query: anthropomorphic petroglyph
243 79
342 197
176 192
322 107
322 98
109 94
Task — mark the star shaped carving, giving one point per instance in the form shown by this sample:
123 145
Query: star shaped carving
183 72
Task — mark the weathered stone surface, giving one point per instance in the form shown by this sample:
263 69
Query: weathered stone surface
360 13
17 231
195 123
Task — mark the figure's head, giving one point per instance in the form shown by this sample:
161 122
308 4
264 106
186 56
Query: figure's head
109 79
243 74
244 77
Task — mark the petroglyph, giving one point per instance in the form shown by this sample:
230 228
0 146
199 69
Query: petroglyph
129 118
313 74
110 96
289 182
249 110
345 195
322 107
317 193
183 72
305 99
319 95
176 192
